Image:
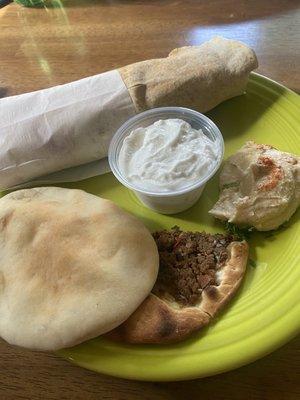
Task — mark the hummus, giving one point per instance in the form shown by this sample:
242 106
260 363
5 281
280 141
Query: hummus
260 187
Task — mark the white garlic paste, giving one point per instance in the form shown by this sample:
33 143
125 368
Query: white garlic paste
166 156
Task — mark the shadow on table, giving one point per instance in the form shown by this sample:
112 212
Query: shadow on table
3 92
4 3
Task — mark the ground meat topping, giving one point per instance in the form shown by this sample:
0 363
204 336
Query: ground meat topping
188 262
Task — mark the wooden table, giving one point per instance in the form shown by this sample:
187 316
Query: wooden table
44 47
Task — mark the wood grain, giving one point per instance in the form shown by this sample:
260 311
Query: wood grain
40 376
43 47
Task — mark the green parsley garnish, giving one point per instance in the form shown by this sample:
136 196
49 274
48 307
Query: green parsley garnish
230 185
241 233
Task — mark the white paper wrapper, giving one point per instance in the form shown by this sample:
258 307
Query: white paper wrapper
65 126
73 174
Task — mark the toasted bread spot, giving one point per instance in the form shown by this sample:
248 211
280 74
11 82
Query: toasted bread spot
212 292
6 219
166 324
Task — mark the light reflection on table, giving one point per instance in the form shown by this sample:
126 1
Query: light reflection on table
68 40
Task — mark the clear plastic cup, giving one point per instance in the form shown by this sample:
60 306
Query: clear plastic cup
175 201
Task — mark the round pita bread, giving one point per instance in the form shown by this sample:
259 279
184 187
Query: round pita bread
162 320
73 266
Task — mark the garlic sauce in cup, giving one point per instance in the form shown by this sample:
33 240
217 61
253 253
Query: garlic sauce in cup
166 155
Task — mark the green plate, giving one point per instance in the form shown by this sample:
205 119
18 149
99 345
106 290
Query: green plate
265 312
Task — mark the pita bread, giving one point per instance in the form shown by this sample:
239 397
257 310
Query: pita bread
198 77
162 320
73 266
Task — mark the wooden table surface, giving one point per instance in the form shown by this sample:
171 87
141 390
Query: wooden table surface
76 38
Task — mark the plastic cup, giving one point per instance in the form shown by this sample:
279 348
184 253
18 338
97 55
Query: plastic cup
174 201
